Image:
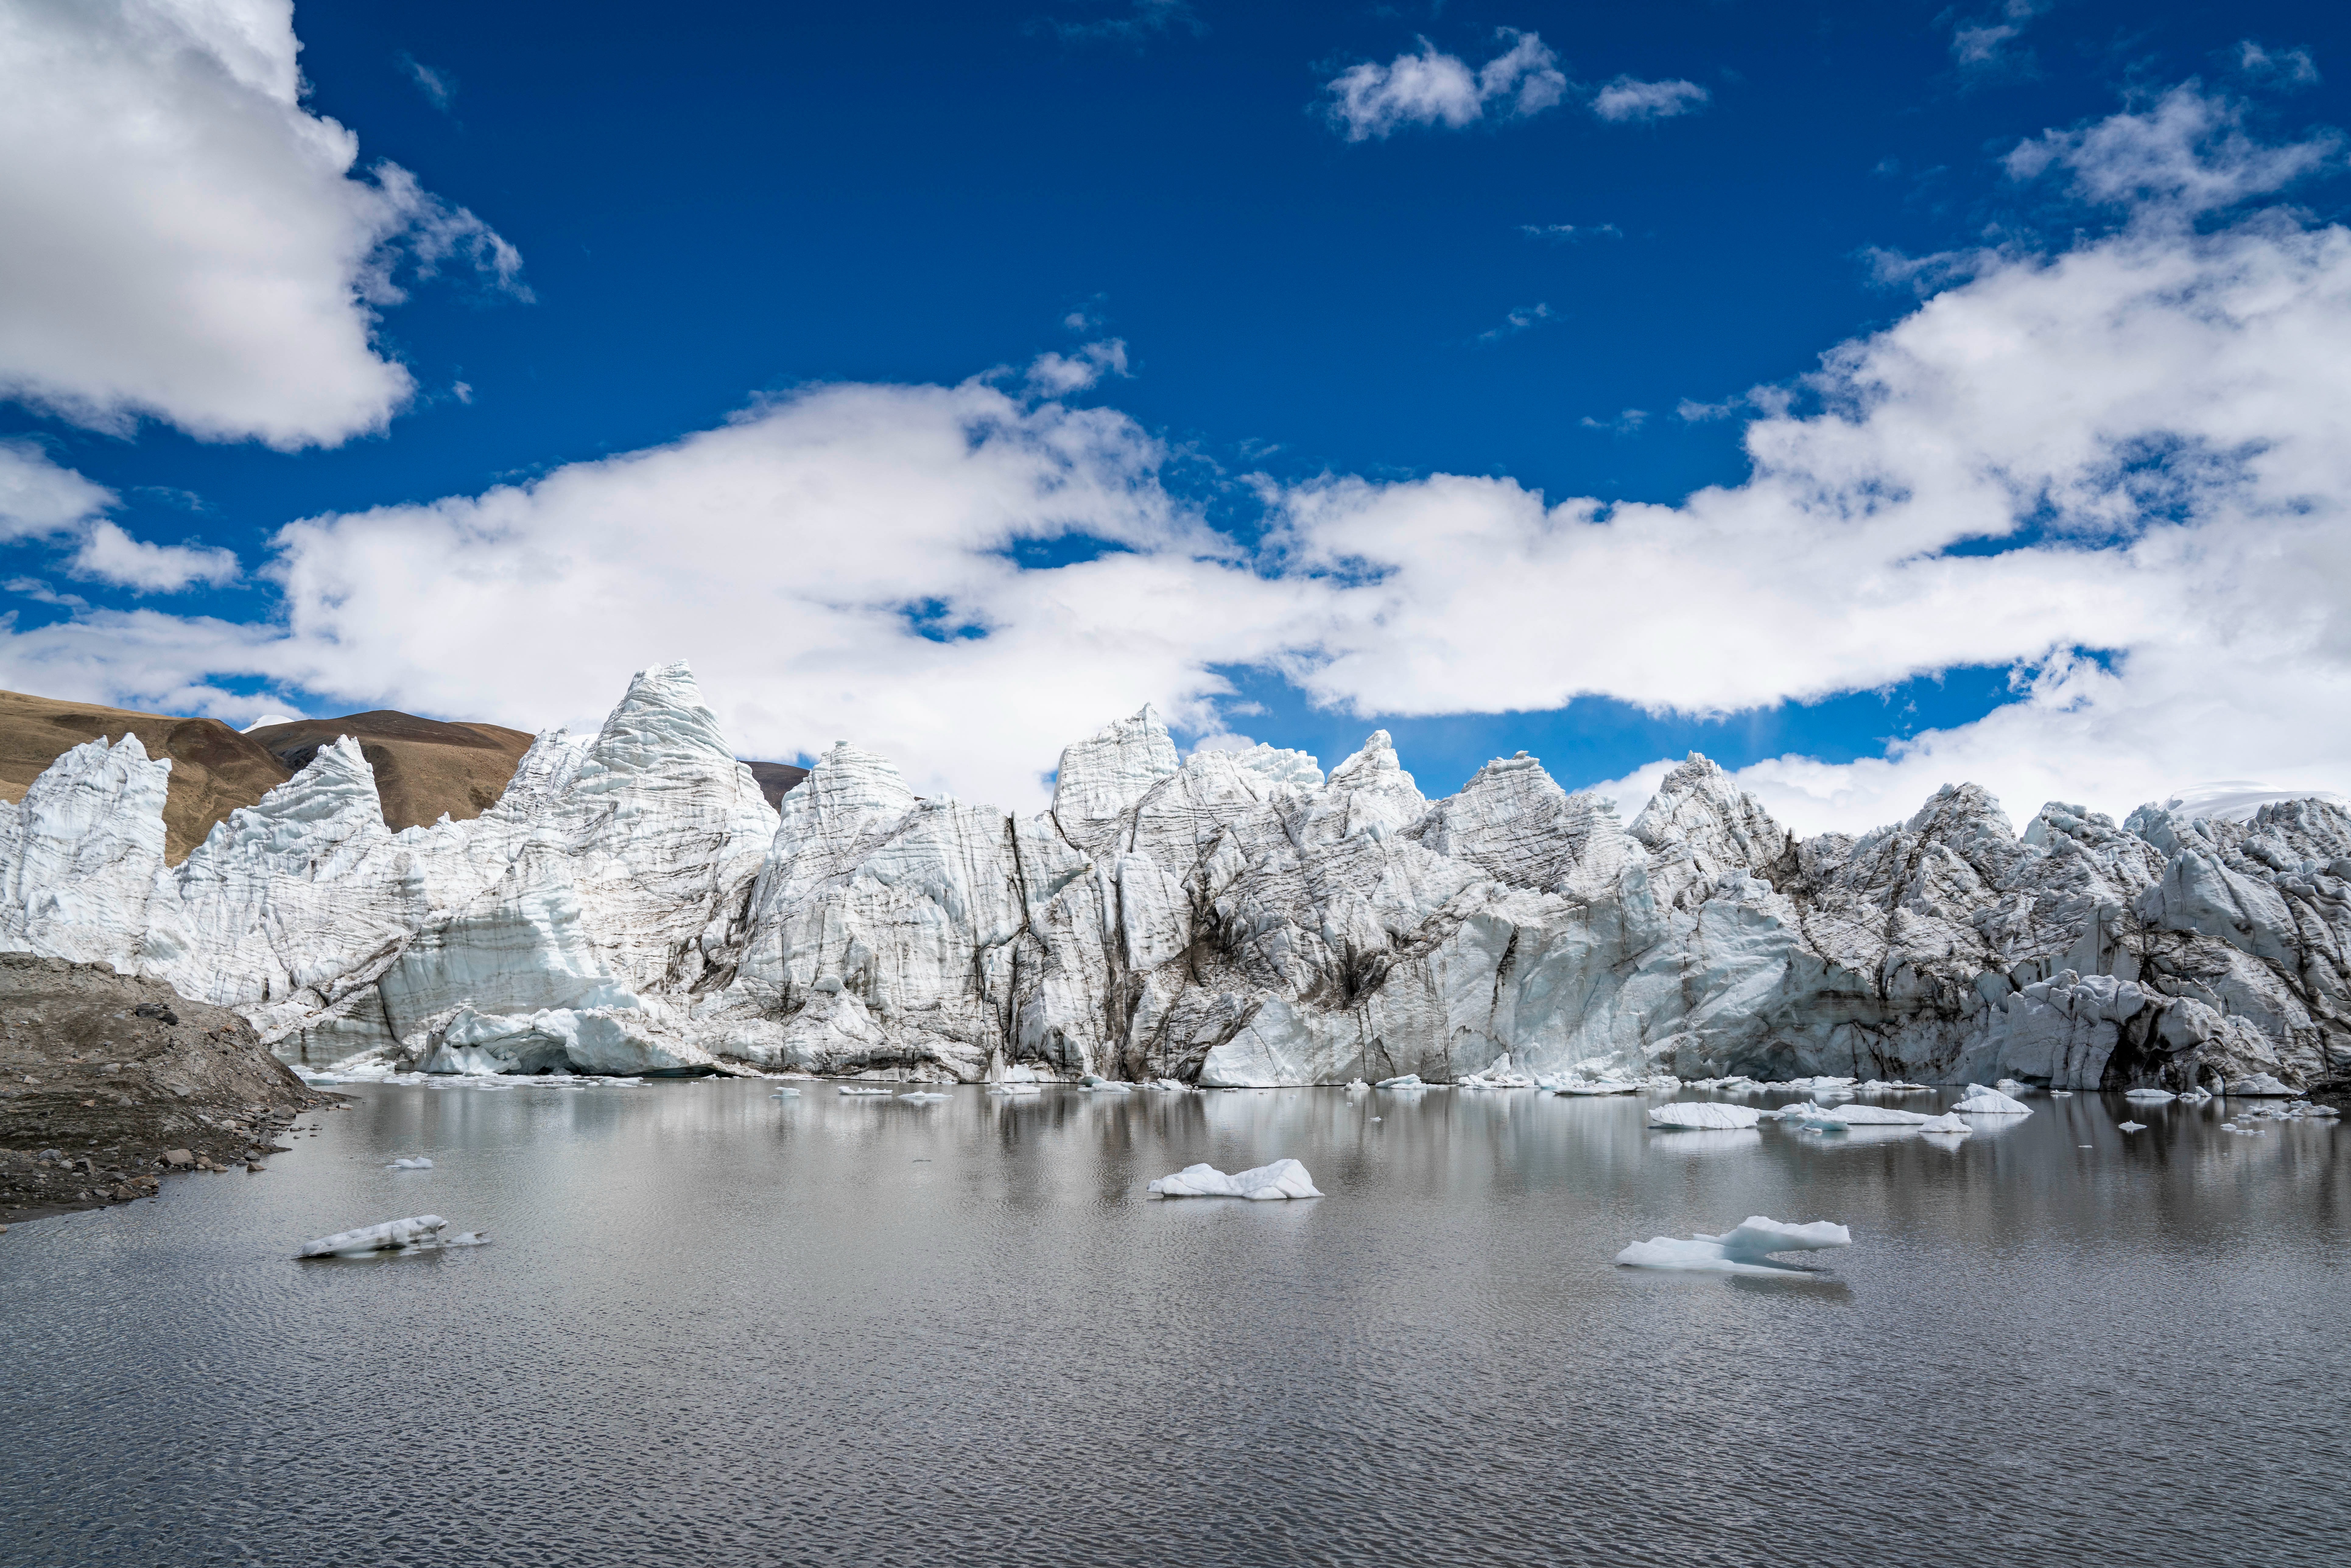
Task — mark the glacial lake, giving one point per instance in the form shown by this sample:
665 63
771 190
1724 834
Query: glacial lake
717 1328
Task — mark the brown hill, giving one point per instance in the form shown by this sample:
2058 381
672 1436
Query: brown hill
424 767
214 769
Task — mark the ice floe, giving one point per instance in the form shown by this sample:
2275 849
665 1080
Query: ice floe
784 1094
1702 1114
1949 1122
1746 1249
862 1088
418 1163
923 1097
1982 1102
1587 1086
1282 1178
1843 1116
2150 1096
2131 1127
418 1233
2009 1086
1407 1080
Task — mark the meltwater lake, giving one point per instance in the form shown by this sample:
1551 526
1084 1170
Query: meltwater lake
715 1327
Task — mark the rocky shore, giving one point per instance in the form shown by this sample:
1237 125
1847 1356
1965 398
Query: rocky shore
107 1084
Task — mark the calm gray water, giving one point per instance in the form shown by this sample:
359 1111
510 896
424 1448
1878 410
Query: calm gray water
718 1328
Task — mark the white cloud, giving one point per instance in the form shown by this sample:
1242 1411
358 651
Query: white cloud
1056 375
37 496
1143 19
1562 233
2120 467
109 555
1625 99
39 499
186 241
1371 100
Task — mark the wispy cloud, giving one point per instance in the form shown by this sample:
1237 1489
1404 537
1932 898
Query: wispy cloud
1572 233
1516 322
1142 19
1372 101
1628 99
439 87
2291 67
1625 424
1989 42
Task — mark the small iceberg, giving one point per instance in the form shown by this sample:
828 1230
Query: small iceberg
784 1094
419 1164
1499 1075
1015 1091
1890 1086
2260 1086
1949 1122
1587 1086
1409 1081
923 1097
1357 1086
2011 1086
1093 1084
2132 1126
1283 1178
1702 1114
1983 1102
418 1233
862 1088
1744 1250
2149 1096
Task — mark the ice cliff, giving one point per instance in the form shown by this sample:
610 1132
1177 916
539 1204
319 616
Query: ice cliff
633 904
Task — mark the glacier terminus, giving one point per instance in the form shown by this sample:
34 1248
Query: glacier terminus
633 904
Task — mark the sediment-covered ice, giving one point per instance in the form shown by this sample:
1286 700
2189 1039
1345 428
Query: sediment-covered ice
1702 1114
633 906
1282 1178
1979 1101
418 1233
1747 1249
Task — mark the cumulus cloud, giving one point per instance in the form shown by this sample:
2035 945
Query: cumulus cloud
1371 100
41 500
2118 467
186 241
2185 152
1056 375
1627 100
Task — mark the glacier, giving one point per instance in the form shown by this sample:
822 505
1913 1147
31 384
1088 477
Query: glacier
633 906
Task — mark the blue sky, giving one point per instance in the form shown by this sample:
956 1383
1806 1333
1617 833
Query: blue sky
719 209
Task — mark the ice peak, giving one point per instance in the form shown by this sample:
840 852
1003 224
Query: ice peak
1109 770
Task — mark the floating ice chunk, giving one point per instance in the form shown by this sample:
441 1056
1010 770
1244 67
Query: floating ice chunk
1283 1178
1983 1102
1091 1084
1702 1114
1589 1086
2011 1086
1949 1121
861 1089
415 1234
1409 1081
2260 1085
2060 1093
1357 1086
1499 1075
1866 1116
1016 1090
2193 1097
468 1238
2132 1126
2150 1096
923 1097
784 1094
419 1164
1746 1249
1890 1086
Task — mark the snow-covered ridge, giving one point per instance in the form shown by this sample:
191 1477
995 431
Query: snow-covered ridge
633 905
